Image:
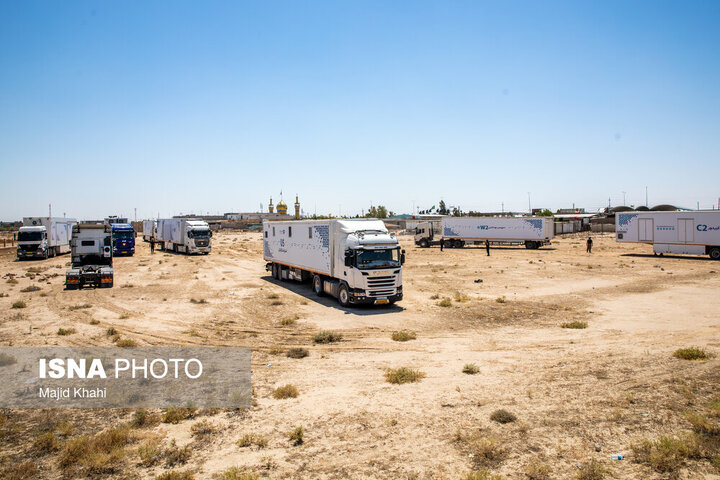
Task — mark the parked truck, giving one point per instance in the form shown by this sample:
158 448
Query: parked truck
184 235
682 232
123 238
149 230
91 255
43 237
456 232
355 261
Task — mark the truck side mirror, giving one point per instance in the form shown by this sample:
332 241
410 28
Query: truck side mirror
348 258
402 257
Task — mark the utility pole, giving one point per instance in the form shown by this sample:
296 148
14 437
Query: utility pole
502 207
529 206
624 199
646 196
136 214
50 210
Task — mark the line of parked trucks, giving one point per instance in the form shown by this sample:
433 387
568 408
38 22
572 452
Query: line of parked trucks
353 260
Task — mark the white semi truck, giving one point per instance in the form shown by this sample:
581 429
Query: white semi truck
456 232
184 235
682 232
43 237
149 230
92 256
355 261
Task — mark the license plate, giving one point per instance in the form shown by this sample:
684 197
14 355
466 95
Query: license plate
382 300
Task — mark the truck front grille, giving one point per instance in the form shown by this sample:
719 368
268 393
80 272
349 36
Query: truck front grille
201 243
381 286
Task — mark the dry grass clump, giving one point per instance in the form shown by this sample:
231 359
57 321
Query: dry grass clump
471 369
503 416
111 332
252 439
577 324
445 302
701 424
296 435
12 281
286 322
66 331
98 454
202 429
31 288
46 443
461 297
177 415
126 343
326 336
200 301
404 335
150 452
592 470
175 455
273 296
235 473
175 475
500 299
537 470
667 454
297 352
484 451
403 375
81 306
20 471
94 321
692 353
286 391
482 474
19 304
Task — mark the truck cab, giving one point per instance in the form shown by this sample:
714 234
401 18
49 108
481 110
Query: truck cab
371 266
123 235
92 257
425 233
198 237
32 242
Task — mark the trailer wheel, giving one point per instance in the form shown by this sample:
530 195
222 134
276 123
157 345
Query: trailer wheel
344 296
275 271
715 253
318 285
424 243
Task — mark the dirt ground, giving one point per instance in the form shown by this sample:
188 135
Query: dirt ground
573 391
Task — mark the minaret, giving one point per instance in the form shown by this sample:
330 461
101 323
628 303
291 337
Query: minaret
297 208
271 208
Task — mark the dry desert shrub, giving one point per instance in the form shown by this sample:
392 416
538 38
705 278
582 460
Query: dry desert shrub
82 306
202 429
666 454
66 331
577 324
126 343
503 416
98 454
19 304
592 470
286 322
177 415
175 455
175 475
537 470
297 353
286 391
150 452
404 335
691 353
235 473
445 302
46 443
484 451
200 301
471 369
296 435
327 336
403 375
482 474
252 439
20 471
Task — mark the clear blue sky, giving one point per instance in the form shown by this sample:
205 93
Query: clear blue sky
214 106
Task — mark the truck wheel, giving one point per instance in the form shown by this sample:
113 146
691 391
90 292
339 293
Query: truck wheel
318 285
715 253
275 271
528 244
344 296
424 243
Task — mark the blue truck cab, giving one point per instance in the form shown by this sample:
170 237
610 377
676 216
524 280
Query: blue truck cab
123 235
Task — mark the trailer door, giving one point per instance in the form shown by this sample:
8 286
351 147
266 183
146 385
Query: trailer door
646 228
686 227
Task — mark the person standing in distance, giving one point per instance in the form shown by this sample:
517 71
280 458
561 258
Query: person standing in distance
589 245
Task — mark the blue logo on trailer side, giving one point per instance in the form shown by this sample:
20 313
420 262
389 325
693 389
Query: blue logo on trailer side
123 239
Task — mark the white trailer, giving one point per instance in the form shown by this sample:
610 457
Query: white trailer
185 235
456 232
43 237
355 261
149 230
684 232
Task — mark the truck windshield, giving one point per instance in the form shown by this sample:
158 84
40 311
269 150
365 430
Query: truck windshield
123 235
29 236
199 233
378 258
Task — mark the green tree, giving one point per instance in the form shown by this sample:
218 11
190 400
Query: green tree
545 213
442 209
382 212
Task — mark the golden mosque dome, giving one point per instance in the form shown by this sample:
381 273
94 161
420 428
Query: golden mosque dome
281 207
282 203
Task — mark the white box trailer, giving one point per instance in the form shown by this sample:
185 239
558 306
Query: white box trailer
456 232
149 230
184 235
43 237
356 261
683 232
